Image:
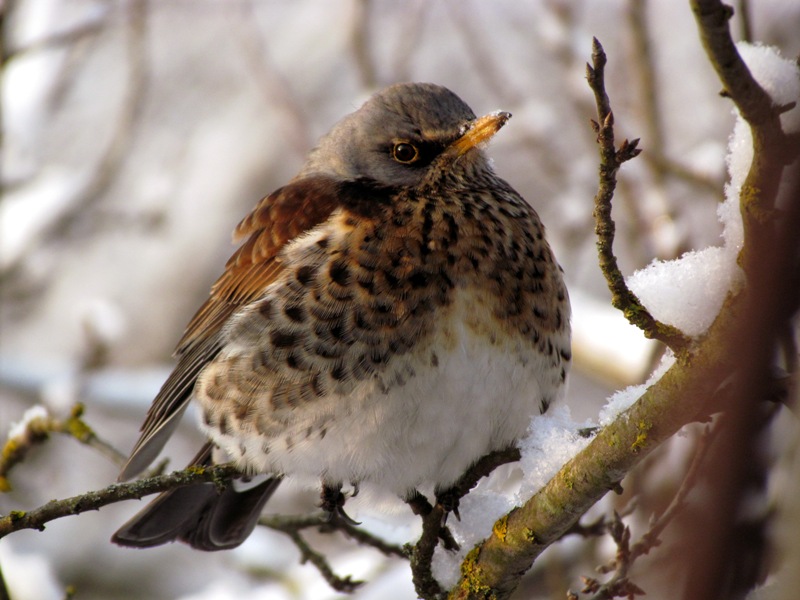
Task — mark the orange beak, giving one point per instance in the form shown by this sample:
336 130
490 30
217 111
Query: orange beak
479 131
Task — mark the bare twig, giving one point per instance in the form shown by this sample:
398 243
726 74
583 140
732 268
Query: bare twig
91 27
745 21
685 173
477 48
723 553
38 430
77 428
610 161
285 523
651 538
619 585
644 66
409 31
712 19
307 553
483 467
600 526
367 539
17 520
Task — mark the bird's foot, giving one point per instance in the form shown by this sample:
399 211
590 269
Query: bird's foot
449 500
420 505
332 502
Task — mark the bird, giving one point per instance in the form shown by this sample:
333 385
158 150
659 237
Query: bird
393 314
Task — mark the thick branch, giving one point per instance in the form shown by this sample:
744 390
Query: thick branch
681 396
675 400
724 552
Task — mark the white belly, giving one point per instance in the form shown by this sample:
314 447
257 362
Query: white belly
474 398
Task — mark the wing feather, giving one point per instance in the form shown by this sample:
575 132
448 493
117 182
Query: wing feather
277 219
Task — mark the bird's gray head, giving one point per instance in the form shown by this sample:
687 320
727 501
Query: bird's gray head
402 134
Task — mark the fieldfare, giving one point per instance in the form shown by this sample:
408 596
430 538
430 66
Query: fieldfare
393 314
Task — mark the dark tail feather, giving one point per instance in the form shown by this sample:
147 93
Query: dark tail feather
199 515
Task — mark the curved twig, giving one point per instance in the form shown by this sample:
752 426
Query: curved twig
611 159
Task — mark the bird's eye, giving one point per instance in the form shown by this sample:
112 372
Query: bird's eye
406 153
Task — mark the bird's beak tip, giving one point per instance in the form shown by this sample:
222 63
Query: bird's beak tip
481 130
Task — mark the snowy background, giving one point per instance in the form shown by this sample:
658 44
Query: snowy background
137 134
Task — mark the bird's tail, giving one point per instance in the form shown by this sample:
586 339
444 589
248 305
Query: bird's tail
199 515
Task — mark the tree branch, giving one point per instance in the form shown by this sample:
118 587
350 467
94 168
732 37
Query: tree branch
307 553
433 528
519 538
611 160
772 149
619 585
712 20
681 396
284 523
38 429
55 509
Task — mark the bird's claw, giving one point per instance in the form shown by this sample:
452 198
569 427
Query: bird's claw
332 502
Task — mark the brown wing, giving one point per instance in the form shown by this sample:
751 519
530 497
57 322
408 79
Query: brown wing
277 219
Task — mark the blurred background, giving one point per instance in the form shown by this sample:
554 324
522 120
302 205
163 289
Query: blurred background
136 134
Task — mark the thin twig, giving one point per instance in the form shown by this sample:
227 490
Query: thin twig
17 520
745 20
601 525
137 84
484 467
610 161
619 585
286 523
409 33
367 539
712 19
482 56
685 173
651 538
292 525
38 429
308 554
78 33
644 66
